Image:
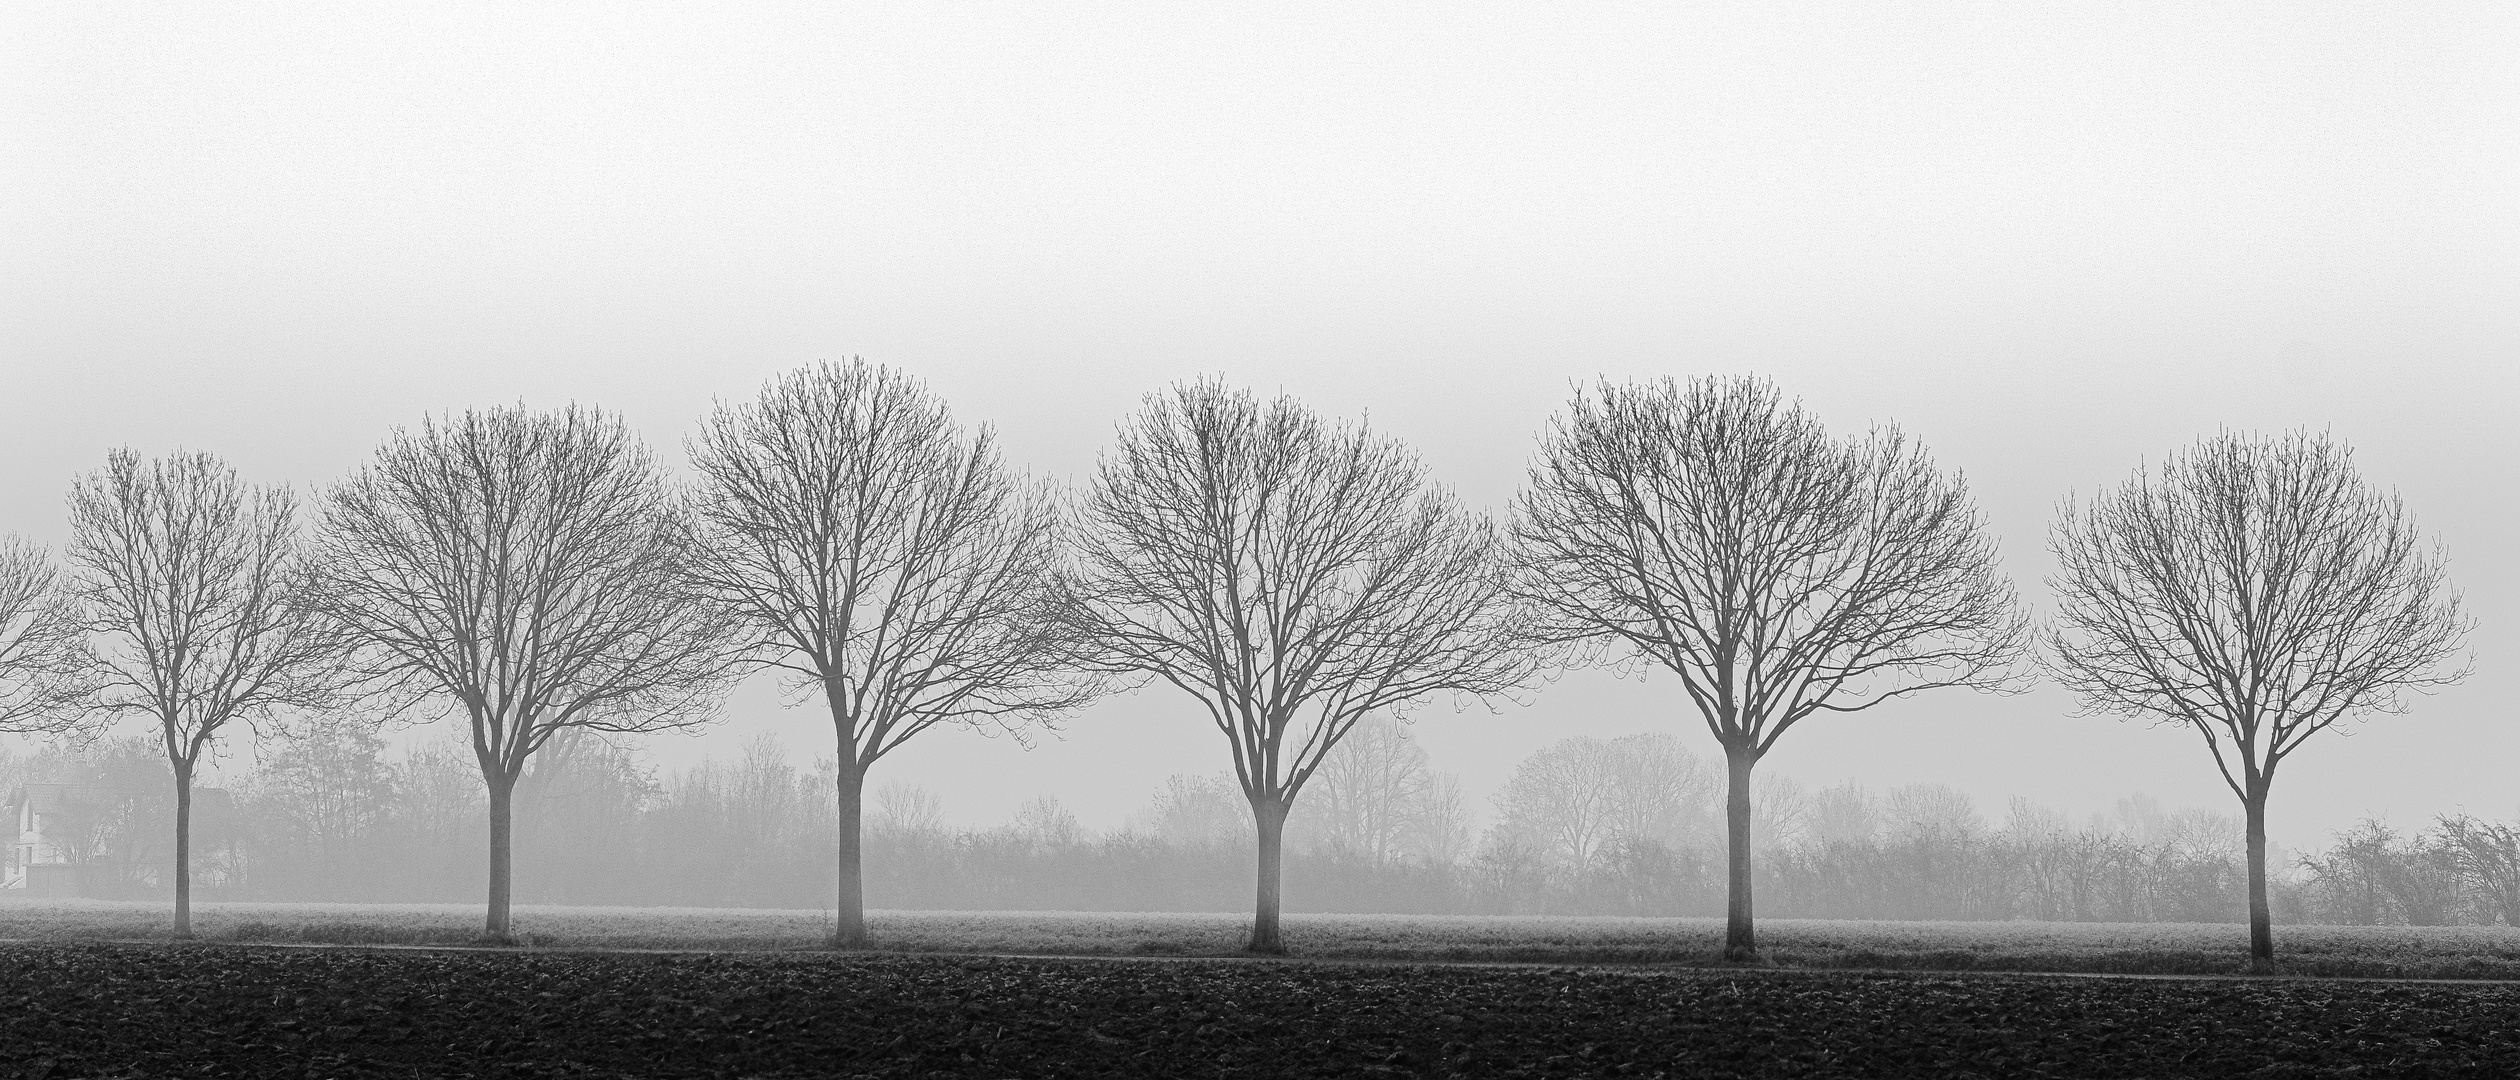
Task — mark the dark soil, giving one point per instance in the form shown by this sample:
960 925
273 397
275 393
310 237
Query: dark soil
208 1010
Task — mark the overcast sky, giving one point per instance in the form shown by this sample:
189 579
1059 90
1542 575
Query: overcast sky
2051 241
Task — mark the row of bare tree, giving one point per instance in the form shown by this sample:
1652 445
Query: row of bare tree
537 573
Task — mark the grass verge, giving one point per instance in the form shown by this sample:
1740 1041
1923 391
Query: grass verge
2451 952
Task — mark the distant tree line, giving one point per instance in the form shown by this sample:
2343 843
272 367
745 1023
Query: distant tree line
1585 827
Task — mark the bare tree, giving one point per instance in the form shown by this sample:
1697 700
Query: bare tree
1200 811
1914 812
529 570
43 653
906 811
1560 801
1658 789
1374 793
2040 842
1046 825
324 799
1439 832
1292 576
2488 855
1780 813
2257 591
1581 796
189 586
1845 813
887 560
1716 531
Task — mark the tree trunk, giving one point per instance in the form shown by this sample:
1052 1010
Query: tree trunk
1270 816
2261 918
849 928
183 850
1739 943
502 833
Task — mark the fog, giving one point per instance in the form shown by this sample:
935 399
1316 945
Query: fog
2050 244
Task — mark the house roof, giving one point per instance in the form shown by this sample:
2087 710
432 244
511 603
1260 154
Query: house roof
50 798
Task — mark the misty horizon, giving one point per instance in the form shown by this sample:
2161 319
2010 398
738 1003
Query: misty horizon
2050 249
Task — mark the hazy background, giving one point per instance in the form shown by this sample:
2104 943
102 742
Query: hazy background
2051 241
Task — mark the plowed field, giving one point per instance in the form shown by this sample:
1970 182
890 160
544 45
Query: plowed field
224 1010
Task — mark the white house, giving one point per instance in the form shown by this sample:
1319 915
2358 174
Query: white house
51 824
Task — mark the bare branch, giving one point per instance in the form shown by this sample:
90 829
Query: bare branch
188 583
894 561
1724 535
526 568
43 651
2255 589
1291 575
